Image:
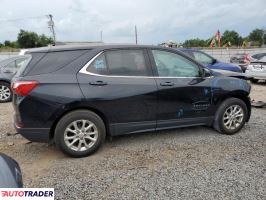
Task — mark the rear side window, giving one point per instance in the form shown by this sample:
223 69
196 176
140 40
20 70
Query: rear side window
120 63
53 61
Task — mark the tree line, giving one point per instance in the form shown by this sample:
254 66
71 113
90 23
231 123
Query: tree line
28 39
255 38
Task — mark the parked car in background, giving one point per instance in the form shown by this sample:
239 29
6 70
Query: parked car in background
258 56
75 96
10 173
256 70
209 61
241 59
8 69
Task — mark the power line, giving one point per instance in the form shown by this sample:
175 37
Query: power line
22 19
136 34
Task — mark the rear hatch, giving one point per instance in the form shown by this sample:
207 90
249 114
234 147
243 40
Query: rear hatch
257 67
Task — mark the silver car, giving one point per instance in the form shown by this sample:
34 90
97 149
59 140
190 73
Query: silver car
8 69
256 70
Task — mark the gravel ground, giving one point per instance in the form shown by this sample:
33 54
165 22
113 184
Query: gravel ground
188 163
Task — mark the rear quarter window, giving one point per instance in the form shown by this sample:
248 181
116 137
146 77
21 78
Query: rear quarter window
52 61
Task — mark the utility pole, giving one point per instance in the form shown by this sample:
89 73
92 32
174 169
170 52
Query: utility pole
136 34
101 36
263 36
51 26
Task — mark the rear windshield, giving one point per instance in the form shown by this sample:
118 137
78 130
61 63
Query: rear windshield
43 63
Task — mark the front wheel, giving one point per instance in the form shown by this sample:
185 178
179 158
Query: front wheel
231 116
79 133
5 92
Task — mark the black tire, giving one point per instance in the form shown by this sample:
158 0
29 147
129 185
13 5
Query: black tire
254 80
7 85
76 116
219 124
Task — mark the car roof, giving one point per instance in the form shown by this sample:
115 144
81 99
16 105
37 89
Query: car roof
188 49
88 47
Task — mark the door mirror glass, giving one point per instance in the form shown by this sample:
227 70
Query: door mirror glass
206 72
170 64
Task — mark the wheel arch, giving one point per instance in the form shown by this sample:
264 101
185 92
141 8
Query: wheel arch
5 81
239 95
99 113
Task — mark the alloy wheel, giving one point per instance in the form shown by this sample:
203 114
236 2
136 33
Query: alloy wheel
81 135
233 117
4 93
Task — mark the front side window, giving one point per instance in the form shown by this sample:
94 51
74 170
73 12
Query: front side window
120 63
173 65
203 58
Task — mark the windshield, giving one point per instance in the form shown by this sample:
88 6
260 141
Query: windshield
203 58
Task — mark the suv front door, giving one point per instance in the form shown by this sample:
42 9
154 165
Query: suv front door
184 96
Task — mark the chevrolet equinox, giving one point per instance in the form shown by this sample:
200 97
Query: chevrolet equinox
76 95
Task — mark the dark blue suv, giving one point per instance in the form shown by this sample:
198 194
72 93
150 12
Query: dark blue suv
75 96
209 61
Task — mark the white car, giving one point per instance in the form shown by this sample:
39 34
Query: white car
256 70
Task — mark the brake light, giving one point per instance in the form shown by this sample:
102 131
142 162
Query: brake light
23 88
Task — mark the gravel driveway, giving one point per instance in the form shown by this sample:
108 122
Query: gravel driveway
188 163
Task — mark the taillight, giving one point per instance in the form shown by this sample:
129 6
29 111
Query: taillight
23 88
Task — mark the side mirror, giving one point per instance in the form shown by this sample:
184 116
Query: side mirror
206 72
214 61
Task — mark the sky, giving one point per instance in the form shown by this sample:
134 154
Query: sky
157 21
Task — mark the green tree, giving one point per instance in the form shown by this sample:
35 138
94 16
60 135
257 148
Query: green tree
7 43
233 37
44 41
256 36
195 43
28 39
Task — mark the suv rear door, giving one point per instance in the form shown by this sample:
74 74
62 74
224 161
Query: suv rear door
119 83
184 96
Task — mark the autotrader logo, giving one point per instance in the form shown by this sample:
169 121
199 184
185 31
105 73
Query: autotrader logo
27 193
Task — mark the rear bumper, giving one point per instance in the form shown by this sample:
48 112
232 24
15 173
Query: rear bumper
34 134
256 75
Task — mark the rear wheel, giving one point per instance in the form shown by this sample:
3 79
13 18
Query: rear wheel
5 92
80 133
231 116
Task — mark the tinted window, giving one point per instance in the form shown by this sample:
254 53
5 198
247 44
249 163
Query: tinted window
120 63
54 61
202 58
21 62
16 64
173 65
11 66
